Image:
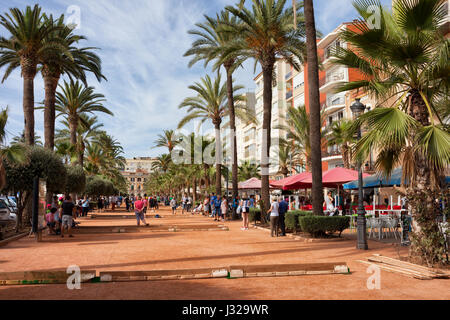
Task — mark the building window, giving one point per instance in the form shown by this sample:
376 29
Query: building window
132 179
139 179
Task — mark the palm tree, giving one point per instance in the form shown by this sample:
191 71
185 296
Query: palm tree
87 131
405 63
287 154
299 132
66 150
211 104
167 139
21 139
249 170
212 45
27 44
13 153
314 108
342 134
71 61
162 163
266 33
73 100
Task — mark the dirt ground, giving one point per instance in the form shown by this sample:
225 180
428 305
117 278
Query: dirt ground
200 249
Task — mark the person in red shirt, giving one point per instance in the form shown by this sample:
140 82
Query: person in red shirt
139 211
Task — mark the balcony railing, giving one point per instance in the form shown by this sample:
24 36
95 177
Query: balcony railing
331 153
335 101
338 76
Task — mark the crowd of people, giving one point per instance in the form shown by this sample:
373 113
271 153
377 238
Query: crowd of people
63 211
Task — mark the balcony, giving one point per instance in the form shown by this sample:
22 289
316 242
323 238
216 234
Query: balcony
334 103
288 95
288 75
331 154
331 81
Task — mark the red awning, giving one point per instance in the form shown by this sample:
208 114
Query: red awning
336 177
292 182
252 183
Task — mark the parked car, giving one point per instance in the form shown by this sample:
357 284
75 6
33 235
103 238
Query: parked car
5 212
10 203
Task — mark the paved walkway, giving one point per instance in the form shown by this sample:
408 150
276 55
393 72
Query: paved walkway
200 249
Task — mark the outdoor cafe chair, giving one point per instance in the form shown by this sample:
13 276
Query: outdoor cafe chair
375 223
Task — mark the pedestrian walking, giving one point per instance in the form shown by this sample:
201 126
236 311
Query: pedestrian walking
139 211
282 209
244 208
217 209
67 214
274 215
224 208
85 207
173 205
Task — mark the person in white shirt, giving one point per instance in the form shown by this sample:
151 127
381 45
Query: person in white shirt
274 216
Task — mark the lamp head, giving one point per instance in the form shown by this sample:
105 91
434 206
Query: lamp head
357 107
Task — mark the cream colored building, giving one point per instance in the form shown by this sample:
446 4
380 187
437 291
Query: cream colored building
136 172
288 90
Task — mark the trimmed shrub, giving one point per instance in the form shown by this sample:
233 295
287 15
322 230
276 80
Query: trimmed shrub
291 219
254 214
76 180
319 226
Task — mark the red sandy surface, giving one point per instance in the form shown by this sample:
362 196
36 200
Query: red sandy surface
181 250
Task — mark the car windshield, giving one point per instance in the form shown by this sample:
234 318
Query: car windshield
3 204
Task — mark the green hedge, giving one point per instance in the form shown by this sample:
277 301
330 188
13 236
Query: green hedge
319 226
291 219
254 214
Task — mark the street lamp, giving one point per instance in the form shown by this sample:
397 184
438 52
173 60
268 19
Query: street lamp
358 109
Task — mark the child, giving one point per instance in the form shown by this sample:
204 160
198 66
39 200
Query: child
50 219
173 204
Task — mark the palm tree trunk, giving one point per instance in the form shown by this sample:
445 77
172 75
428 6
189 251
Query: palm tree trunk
194 197
207 180
50 84
218 159
267 67
314 108
234 164
28 108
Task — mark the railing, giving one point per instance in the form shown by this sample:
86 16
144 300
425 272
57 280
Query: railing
335 77
335 101
288 75
330 153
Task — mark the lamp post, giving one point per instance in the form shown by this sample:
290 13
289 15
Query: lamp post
357 109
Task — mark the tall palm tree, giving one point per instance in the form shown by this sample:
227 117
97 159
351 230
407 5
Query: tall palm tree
405 63
266 33
342 134
72 61
167 139
26 45
212 45
211 104
75 99
314 107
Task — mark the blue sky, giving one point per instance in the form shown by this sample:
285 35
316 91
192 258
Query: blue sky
142 45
